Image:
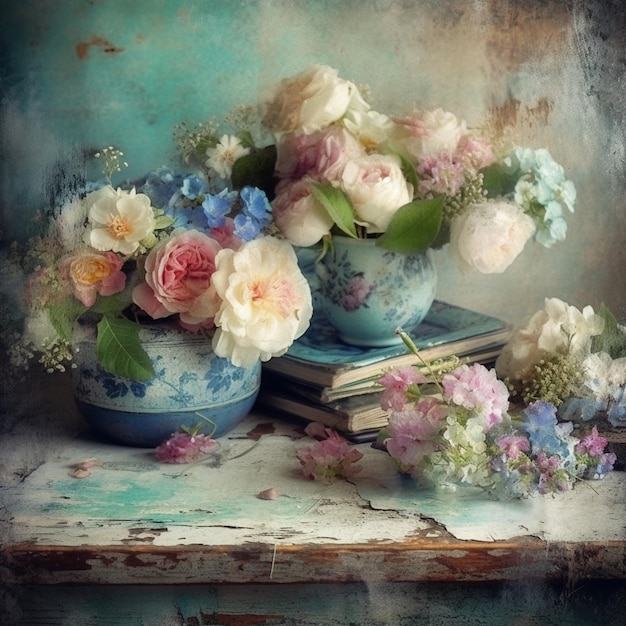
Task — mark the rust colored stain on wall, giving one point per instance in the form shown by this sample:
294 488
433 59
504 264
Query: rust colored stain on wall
82 48
512 115
521 35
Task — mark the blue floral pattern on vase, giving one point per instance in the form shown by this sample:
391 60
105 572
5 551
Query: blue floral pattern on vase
366 292
192 387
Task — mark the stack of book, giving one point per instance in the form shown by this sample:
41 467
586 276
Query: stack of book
322 379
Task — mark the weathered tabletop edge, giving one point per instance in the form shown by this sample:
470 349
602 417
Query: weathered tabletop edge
413 561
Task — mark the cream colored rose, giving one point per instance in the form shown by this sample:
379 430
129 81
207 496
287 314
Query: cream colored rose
432 132
266 301
489 236
377 189
557 329
309 101
370 127
299 215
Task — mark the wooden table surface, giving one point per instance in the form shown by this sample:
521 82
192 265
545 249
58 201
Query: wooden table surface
134 520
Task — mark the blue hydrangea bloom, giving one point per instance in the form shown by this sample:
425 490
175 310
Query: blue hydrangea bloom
162 186
256 204
193 187
217 207
540 423
246 228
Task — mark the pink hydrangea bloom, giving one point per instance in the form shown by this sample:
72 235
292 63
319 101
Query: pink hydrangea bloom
513 446
477 388
413 431
592 444
396 384
183 447
329 459
442 173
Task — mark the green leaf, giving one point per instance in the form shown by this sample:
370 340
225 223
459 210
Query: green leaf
257 170
110 305
119 350
63 316
409 172
338 206
499 180
163 221
612 340
414 226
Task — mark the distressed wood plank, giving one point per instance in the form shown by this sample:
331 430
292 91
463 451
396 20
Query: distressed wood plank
135 521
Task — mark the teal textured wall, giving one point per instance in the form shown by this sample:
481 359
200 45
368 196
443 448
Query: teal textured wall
81 74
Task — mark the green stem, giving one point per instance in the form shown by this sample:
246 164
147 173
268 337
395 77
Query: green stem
410 344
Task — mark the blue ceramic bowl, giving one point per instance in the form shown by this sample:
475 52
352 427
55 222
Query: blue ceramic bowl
192 387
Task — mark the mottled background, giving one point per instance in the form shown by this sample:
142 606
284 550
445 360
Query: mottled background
77 75
81 74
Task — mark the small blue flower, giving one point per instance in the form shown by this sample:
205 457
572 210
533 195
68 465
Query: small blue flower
246 228
256 204
193 187
162 186
217 207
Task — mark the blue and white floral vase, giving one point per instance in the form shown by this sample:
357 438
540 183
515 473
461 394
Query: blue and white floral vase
367 292
192 388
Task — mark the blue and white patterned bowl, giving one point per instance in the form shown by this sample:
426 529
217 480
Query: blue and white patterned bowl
193 387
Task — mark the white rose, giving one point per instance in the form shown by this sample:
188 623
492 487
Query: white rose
370 127
309 101
266 301
119 219
557 329
299 215
489 236
377 189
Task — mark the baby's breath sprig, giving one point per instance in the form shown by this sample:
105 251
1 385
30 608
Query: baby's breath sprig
112 161
192 143
553 380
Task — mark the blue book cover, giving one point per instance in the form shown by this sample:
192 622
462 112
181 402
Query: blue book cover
320 357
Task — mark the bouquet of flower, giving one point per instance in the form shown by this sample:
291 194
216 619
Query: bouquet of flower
180 248
574 359
414 182
452 427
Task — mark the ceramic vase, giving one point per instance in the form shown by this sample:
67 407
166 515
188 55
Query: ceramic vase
367 292
192 387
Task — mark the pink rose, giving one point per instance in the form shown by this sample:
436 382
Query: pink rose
93 274
225 235
321 155
178 279
299 215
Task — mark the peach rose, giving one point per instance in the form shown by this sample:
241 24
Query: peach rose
92 274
